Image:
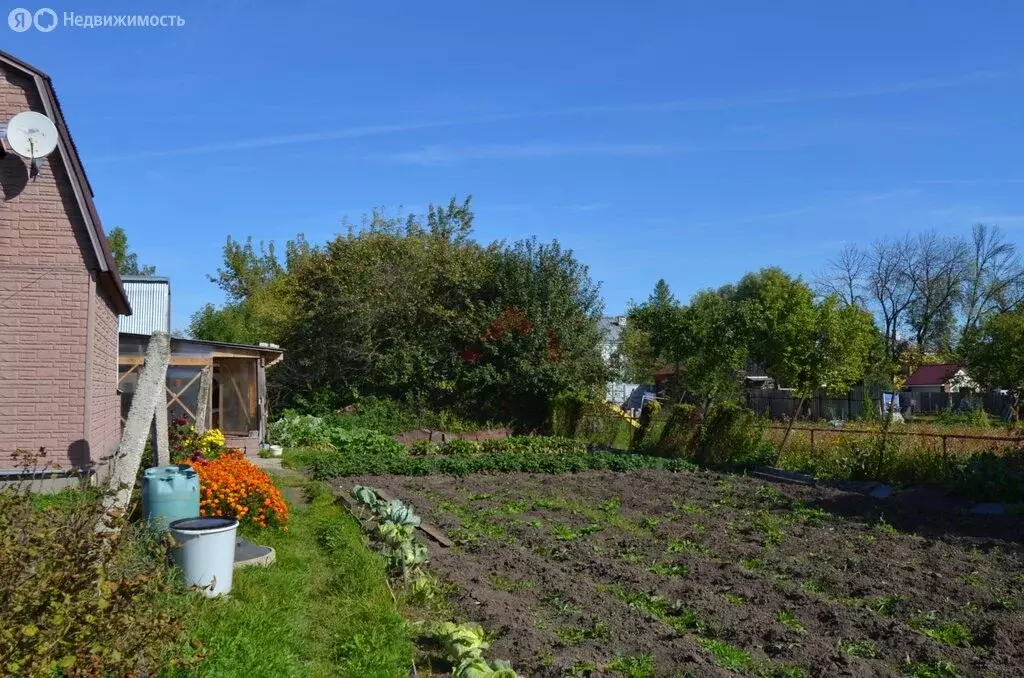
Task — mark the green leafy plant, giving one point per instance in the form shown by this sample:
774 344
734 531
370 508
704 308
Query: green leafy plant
888 606
865 649
670 569
638 666
685 546
940 668
789 620
948 633
77 600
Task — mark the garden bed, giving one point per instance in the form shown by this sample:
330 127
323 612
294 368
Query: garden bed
658 573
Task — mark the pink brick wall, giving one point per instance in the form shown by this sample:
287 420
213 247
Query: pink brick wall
47 273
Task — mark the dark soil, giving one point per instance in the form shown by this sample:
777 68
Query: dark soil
563 570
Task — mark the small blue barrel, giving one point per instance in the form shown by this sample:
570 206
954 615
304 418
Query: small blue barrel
169 493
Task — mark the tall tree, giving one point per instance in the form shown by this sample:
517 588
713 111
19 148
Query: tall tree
994 354
936 268
126 260
993 280
844 276
890 285
807 346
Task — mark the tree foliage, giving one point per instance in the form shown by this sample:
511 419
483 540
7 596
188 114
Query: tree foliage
807 346
995 353
418 311
127 261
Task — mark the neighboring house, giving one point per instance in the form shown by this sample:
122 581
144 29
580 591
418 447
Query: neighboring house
237 402
60 297
150 297
626 395
942 378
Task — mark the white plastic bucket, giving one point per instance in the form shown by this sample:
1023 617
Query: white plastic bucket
205 551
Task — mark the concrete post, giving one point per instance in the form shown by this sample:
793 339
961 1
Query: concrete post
151 389
203 406
161 443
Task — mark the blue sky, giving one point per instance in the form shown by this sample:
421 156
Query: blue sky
690 141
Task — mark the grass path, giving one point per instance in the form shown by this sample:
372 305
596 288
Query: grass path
323 609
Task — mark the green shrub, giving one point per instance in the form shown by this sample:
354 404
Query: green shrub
77 601
728 435
292 429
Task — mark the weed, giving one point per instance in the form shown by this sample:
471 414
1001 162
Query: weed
515 507
771 526
686 546
728 656
536 524
888 605
973 578
566 533
546 659
733 599
699 528
938 669
674 614
752 564
820 585
948 633
502 583
770 494
669 569
629 554
582 668
789 620
562 606
689 509
612 504
650 524
1006 602
865 649
809 516
543 503
480 496
639 666
884 526
575 634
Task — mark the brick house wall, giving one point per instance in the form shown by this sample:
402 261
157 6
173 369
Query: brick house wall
58 329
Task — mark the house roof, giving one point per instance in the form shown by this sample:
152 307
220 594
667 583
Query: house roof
109 279
933 375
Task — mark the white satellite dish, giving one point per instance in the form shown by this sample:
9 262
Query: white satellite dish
32 135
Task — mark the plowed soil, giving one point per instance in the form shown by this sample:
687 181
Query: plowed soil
703 574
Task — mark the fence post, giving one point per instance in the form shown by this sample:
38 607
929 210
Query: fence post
943 446
812 442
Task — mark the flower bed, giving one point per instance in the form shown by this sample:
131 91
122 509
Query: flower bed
232 486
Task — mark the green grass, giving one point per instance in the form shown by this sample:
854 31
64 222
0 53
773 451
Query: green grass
728 656
323 609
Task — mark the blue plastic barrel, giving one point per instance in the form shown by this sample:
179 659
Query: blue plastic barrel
169 493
